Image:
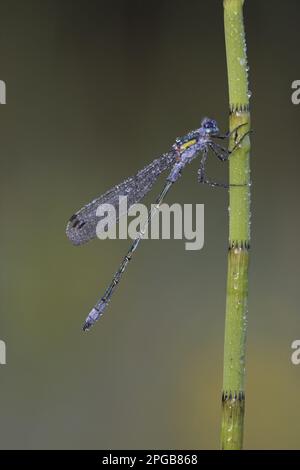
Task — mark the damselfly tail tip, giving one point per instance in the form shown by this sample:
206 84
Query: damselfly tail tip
93 317
87 325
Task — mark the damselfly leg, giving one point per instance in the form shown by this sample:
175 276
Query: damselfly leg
228 134
223 154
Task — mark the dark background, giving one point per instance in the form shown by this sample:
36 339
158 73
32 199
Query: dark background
96 90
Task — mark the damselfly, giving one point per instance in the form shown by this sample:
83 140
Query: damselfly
82 225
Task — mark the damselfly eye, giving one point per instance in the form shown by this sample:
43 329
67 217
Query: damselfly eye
210 126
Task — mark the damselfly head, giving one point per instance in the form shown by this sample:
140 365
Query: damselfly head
210 126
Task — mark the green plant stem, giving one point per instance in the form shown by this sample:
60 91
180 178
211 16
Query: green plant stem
233 395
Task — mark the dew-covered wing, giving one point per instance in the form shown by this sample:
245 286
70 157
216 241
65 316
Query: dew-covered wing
82 225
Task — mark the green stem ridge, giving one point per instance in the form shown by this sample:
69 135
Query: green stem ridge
233 396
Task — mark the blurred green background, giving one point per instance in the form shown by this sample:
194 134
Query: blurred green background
96 90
